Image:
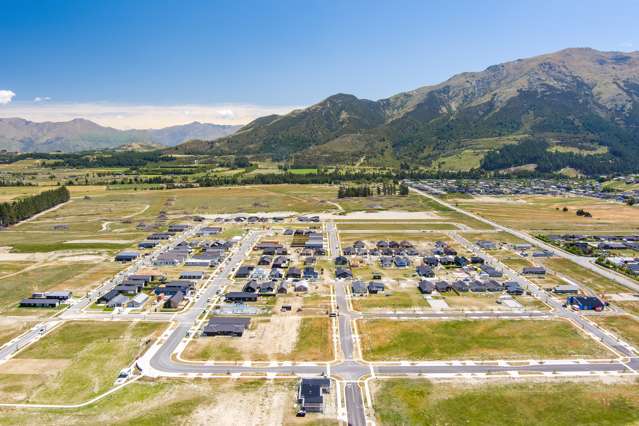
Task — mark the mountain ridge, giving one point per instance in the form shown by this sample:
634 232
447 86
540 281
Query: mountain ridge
21 135
573 96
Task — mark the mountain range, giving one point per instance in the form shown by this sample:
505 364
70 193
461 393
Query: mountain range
19 135
580 103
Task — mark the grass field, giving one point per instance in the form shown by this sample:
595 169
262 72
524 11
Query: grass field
398 300
412 202
434 226
544 213
347 238
183 402
385 340
422 402
81 360
44 278
584 276
624 326
497 237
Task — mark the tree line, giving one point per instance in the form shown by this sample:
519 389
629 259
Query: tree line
13 212
368 191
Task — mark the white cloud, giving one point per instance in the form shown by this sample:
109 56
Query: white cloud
6 96
126 116
626 45
38 99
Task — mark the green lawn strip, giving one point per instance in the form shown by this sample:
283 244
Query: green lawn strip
393 301
386 340
97 351
314 341
421 402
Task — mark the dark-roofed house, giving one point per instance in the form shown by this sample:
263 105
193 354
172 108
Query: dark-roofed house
424 271
174 301
431 261
240 296
460 286
282 288
358 287
280 262
244 271
375 287
60 295
493 286
585 303
106 297
341 261
147 244
191 275
442 286
310 273
490 271
126 256
39 303
275 274
513 287
265 260
294 273
226 326
250 287
533 270
128 289
118 301
343 273
401 261
178 227
267 287
486 245
426 287
311 392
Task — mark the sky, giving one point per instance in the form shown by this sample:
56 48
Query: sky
139 63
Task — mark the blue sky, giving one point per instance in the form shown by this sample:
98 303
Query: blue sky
244 58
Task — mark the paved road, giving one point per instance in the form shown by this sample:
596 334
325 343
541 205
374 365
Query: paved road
585 262
354 404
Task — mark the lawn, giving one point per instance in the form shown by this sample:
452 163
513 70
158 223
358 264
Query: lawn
577 273
397 300
411 202
498 237
624 326
386 340
422 402
81 360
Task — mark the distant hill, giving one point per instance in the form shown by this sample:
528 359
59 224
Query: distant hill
19 135
581 105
